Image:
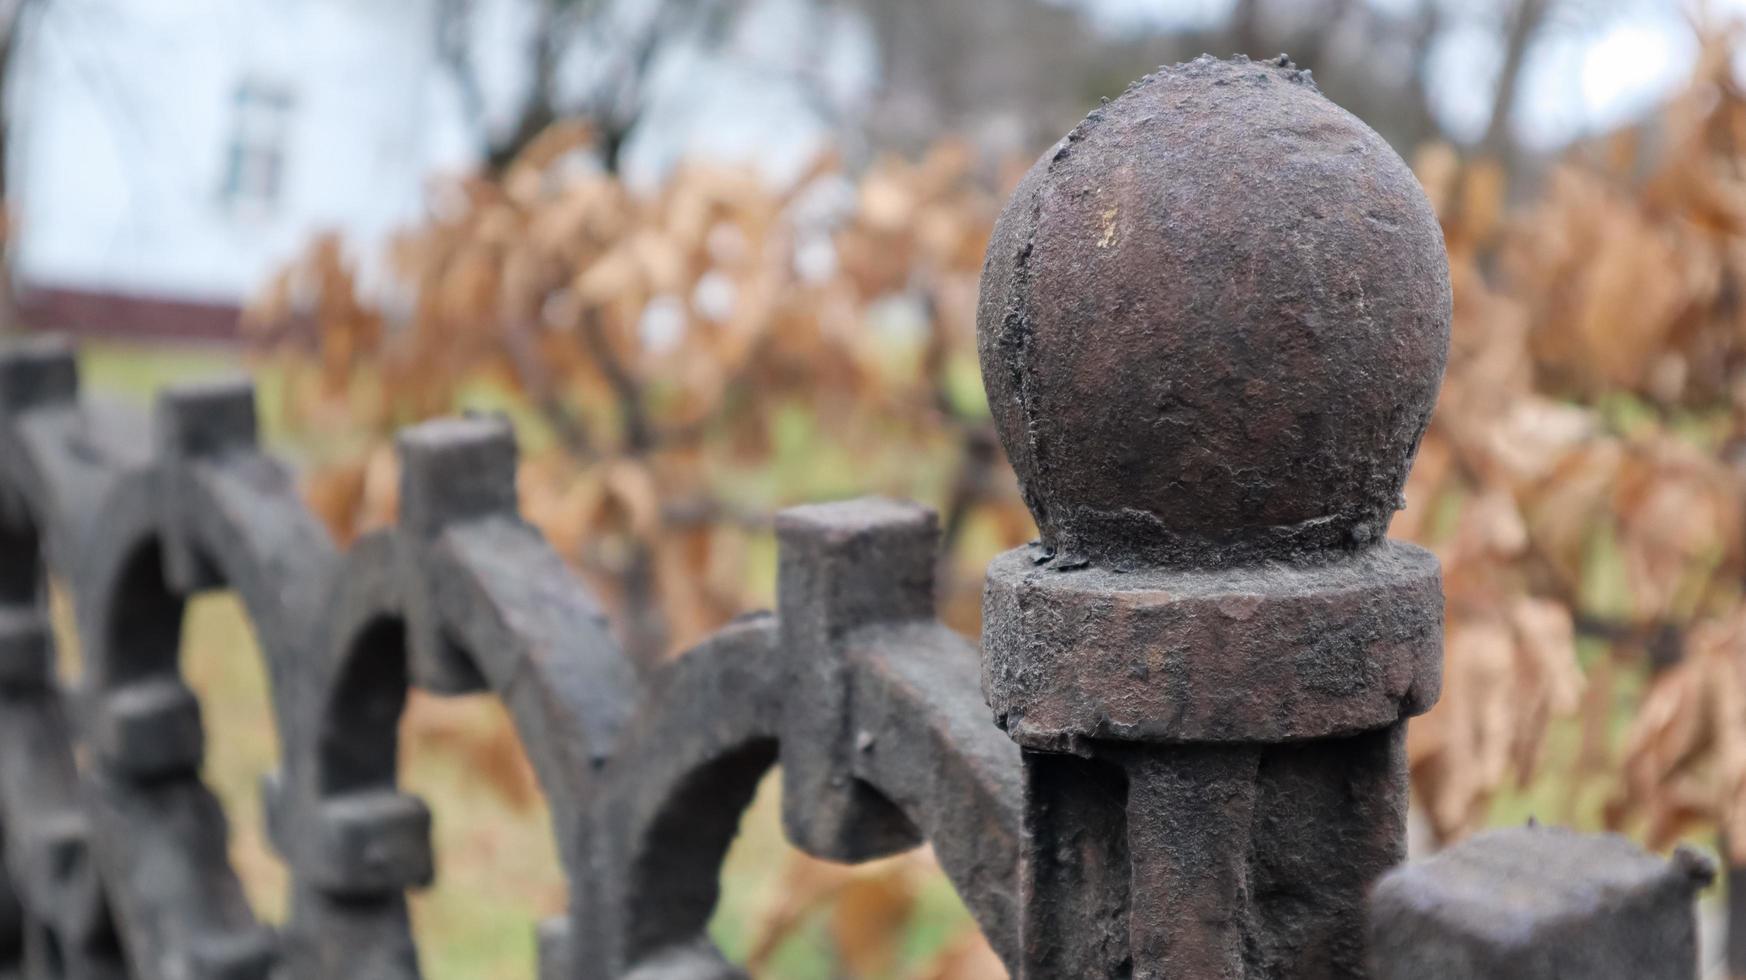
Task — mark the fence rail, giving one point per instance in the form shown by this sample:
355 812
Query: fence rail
1178 753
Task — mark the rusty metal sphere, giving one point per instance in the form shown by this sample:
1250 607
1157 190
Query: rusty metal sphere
1213 323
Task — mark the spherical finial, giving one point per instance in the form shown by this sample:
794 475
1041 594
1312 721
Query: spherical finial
1213 323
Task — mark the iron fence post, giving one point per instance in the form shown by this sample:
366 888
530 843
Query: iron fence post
1213 323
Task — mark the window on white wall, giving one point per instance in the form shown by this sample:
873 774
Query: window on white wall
254 168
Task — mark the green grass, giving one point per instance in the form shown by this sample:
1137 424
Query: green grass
136 372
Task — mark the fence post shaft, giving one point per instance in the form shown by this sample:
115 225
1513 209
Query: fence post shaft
1213 323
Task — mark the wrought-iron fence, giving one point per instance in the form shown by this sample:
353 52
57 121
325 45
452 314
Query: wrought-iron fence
1212 327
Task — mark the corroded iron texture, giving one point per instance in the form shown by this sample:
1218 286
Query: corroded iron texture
1213 325
1213 322
1540 903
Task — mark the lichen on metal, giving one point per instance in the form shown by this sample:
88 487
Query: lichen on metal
1212 327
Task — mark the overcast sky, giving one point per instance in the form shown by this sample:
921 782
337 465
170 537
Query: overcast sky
1600 63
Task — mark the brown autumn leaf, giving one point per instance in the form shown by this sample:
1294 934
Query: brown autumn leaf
868 921
968 957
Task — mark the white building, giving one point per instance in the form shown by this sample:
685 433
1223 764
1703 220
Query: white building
166 155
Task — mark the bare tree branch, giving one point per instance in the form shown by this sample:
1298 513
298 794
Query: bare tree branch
1524 27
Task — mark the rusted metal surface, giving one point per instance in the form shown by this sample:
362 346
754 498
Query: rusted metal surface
1540 903
1213 324
1260 653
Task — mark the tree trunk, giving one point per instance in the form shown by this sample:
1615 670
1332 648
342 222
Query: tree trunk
538 110
1524 27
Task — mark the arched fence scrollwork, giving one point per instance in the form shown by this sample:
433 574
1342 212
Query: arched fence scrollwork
1177 753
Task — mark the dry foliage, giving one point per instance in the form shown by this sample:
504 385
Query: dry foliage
661 341
1579 478
1579 481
